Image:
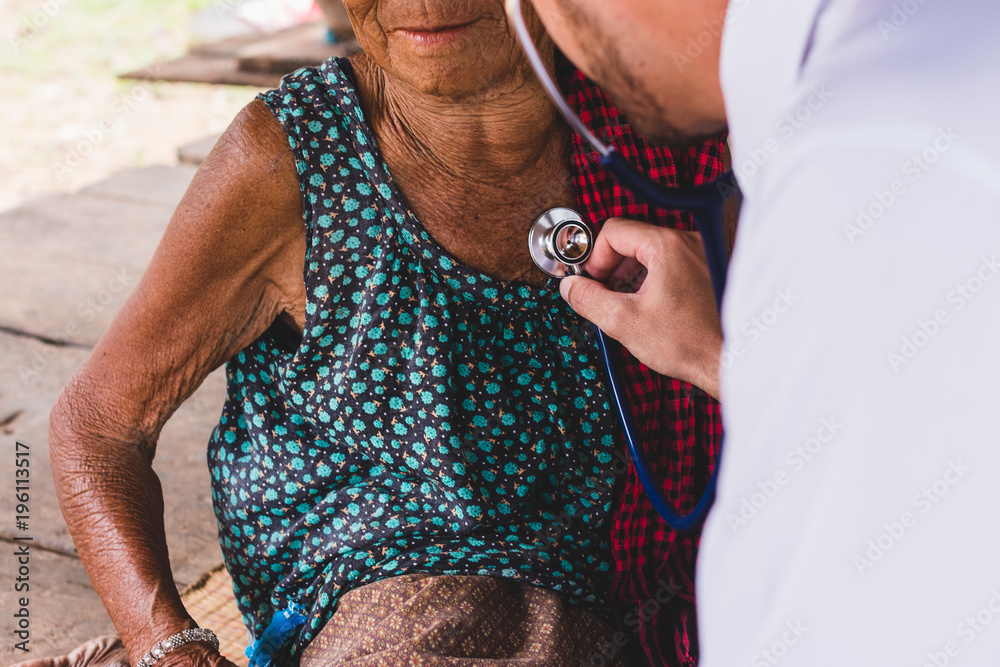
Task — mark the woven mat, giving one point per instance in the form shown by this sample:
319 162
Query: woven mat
211 603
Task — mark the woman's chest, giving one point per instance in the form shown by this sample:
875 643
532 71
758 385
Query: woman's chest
404 340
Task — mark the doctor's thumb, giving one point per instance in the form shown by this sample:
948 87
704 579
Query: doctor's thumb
594 302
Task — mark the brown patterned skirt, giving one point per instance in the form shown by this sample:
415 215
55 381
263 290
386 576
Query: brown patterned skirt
471 621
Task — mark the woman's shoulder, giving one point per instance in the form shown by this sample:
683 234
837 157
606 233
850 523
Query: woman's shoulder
325 91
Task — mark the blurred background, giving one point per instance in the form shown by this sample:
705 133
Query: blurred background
60 61
60 84
107 109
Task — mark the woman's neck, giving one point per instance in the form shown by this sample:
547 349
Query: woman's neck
493 161
504 132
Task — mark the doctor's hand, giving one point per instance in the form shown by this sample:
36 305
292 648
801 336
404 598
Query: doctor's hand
649 289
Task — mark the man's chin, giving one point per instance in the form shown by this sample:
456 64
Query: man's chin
653 115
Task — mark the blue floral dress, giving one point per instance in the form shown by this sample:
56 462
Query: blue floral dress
431 418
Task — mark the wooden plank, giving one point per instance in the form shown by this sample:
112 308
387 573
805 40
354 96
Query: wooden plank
196 152
68 262
35 372
225 48
288 50
257 60
205 69
180 462
158 185
65 611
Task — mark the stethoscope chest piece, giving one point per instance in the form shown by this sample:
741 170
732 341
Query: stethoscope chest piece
560 242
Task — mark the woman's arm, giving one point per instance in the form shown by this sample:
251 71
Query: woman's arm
230 261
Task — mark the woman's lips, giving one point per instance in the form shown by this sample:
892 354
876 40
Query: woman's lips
434 36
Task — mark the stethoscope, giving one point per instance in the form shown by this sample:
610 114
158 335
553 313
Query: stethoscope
560 242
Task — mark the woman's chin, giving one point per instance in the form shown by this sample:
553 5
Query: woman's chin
456 70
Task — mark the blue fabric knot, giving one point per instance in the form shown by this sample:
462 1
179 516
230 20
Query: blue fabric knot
275 635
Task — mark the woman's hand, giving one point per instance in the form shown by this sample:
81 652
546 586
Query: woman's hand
195 654
230 262
656 299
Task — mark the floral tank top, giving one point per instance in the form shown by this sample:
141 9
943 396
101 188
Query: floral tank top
431 418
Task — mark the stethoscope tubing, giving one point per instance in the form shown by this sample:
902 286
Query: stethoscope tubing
706 203
673 518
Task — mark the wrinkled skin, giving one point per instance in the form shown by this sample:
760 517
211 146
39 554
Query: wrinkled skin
462 122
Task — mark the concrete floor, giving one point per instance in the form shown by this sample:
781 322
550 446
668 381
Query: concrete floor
67 263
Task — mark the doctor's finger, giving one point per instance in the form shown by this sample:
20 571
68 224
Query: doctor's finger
627 276
610 311
619 239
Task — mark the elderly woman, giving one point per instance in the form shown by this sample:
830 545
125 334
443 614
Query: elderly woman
410 404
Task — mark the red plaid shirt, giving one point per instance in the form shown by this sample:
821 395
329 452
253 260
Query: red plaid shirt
679 426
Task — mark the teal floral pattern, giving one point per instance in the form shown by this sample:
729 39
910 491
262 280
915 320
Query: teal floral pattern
431 419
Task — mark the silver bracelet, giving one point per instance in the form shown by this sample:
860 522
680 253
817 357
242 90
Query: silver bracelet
181 638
